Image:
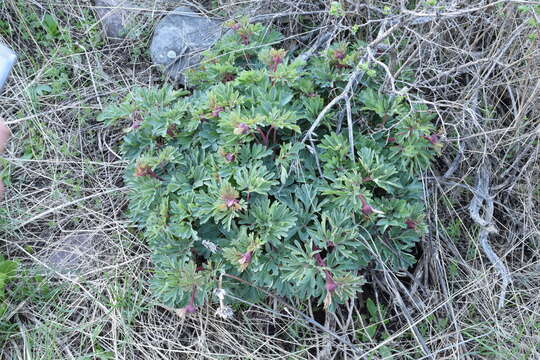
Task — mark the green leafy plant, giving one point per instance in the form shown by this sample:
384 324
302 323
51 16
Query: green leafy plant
336 9
225 190
374 330
377 318
7 272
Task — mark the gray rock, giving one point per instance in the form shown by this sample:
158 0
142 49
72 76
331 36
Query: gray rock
73 254
113 16
179 38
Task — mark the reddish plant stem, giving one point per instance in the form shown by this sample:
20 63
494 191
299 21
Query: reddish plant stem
366 208
190 307
433 139
318 257
264 136
269 132
274 69
330 282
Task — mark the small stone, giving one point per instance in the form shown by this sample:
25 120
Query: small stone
73 254
179 38
113 16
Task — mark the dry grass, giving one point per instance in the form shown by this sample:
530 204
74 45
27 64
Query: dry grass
477 65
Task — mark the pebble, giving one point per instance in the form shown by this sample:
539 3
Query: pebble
114 17
179 38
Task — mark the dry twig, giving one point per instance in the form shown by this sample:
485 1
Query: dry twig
482 197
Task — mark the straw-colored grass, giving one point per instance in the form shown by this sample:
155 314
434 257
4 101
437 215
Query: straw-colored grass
474 293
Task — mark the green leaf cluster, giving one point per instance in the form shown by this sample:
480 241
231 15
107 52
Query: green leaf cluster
7 272
221 182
